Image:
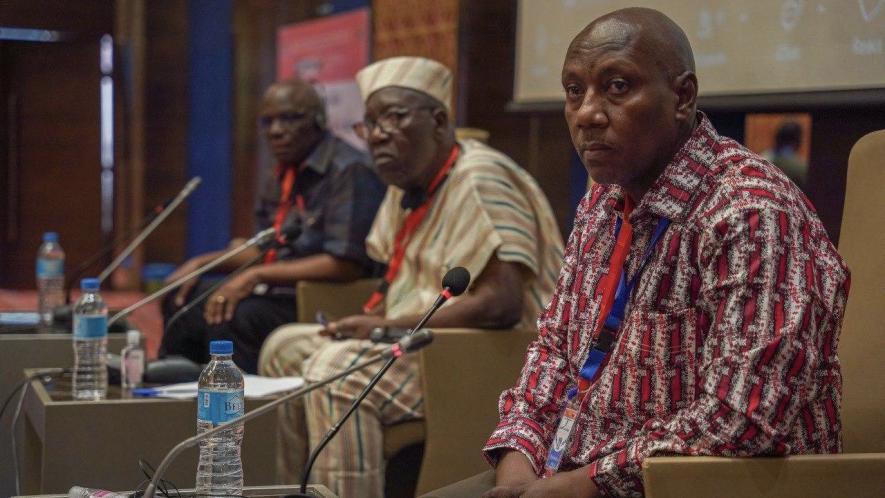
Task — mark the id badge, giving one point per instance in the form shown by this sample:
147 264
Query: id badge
563 434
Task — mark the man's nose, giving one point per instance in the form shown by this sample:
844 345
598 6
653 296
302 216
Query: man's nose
593 112
276 127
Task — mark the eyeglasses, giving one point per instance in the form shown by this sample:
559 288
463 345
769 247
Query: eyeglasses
286 119
390 121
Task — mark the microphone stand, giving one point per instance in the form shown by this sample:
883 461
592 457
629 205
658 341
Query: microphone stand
407 344
305 475
185 192
258 239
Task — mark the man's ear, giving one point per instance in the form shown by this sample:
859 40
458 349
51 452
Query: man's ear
441 117
686 88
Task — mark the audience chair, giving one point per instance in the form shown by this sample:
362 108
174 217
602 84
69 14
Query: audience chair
463 374
860 470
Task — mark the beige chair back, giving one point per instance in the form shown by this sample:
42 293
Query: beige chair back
862 342
477 134
335 299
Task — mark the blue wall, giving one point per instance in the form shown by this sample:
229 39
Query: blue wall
210 125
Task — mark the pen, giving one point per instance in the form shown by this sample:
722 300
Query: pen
321 318
151 392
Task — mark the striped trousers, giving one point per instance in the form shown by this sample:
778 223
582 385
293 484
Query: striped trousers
352 465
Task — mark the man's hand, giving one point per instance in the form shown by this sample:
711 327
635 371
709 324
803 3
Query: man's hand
572 484
220 306
513 475
353 327
189 266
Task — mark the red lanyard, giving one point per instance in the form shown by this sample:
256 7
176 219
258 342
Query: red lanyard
284 206
615 266
404 235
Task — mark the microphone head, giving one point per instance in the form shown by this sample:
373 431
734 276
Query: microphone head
456 280
192 185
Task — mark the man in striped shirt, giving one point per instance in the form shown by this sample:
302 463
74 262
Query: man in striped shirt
727 343
449 204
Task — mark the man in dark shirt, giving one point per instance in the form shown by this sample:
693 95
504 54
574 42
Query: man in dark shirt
321 185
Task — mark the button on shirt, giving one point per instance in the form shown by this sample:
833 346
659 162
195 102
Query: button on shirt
728 346
341 196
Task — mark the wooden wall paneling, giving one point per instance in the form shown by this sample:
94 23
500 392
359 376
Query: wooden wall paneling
129 150
255 38
165 116
54 121
418 28
538 141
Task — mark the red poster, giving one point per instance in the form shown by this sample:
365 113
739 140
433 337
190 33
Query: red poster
328 52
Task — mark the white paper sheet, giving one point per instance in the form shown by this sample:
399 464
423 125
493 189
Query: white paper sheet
256 387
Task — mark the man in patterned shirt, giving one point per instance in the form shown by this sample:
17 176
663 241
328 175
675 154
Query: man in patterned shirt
731 296
450 203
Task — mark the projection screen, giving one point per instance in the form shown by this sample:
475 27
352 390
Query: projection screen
742 47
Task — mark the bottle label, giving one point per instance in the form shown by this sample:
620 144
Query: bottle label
50 268
133 366
219 407
90 326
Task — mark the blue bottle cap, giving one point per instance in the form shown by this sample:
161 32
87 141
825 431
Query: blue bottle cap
89 284
50 237
221 347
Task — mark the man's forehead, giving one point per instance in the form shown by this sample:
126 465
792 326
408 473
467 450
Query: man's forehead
605 35
287 94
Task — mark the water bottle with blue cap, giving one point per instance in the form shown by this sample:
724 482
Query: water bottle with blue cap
220 400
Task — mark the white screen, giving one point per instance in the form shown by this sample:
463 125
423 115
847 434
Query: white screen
740 46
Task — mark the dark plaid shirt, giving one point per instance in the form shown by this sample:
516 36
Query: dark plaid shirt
341 196
728 345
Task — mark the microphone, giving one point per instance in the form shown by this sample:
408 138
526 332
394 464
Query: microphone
289 234
185 192
260 238
153 220
454 283
409 344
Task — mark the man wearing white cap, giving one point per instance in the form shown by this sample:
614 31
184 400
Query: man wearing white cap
448 204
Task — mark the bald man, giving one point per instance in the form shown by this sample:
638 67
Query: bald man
320 185
700 301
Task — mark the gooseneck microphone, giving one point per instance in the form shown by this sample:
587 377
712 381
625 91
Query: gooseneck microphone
80 270
184 194
454 283
261 237
408 344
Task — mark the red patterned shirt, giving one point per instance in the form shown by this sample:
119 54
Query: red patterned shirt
728 344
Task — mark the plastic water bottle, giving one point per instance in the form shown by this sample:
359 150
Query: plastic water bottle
50 278
219 400
90 343
132 361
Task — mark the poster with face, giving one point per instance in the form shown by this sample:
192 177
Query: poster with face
328 52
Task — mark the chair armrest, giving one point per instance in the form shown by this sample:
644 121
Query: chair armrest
336 299
463 374
850 474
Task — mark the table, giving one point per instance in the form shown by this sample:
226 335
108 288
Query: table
97 444
317 490
32 350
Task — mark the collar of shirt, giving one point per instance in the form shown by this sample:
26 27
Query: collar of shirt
320 157
670 196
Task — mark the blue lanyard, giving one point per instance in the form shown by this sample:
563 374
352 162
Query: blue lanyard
600 350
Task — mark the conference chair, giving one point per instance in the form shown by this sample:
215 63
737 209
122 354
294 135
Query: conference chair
463 373
860 470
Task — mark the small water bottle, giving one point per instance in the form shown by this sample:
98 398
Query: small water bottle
132 361
50 278
90 343
220 399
